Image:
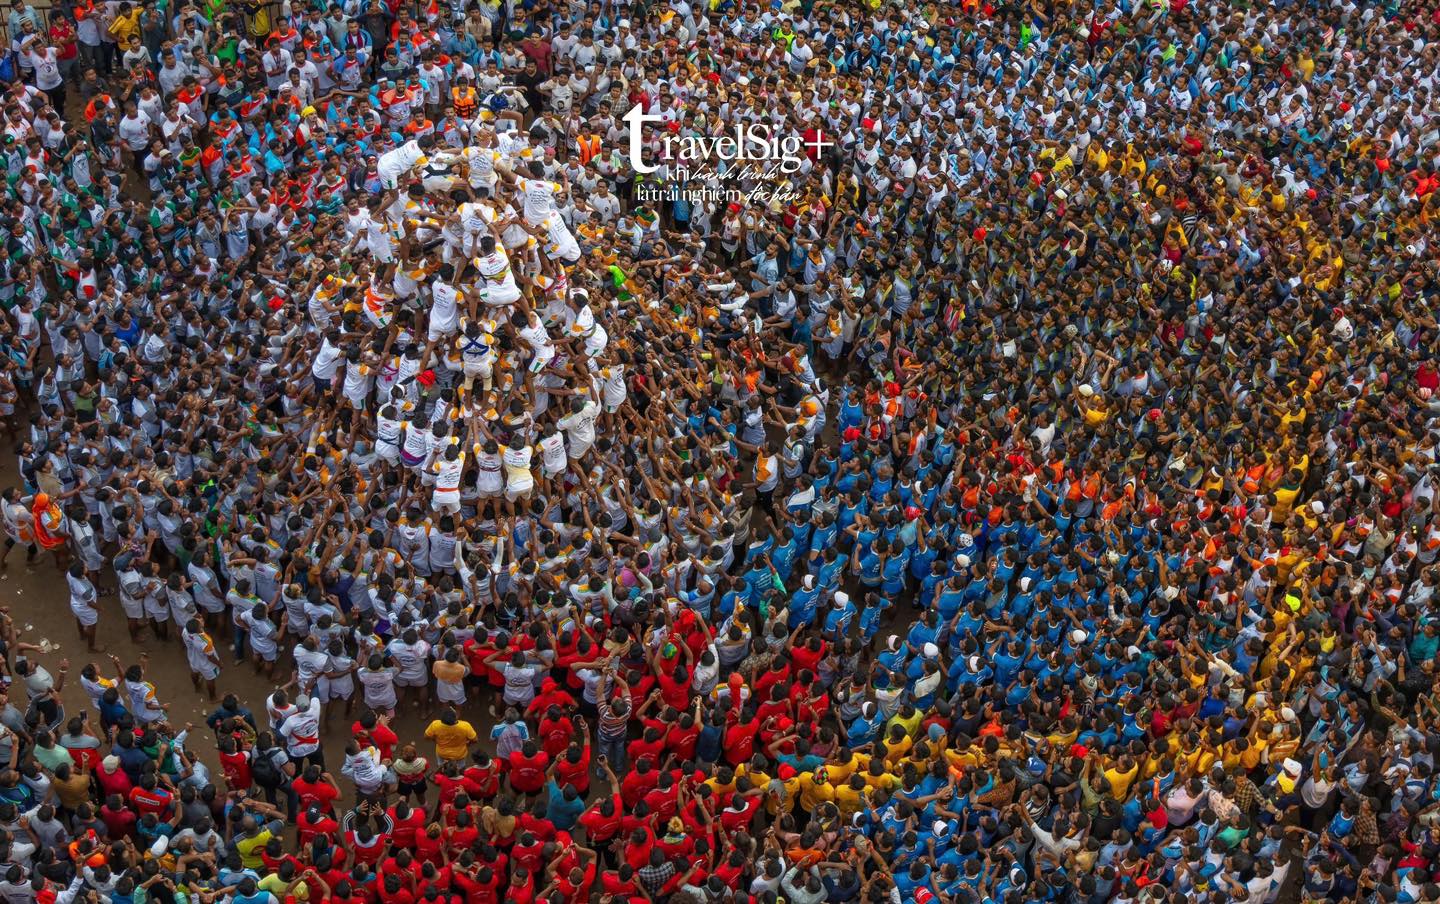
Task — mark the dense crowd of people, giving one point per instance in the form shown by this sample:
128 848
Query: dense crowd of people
1028 495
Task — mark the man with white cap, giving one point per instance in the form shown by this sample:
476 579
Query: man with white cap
301 732
842 612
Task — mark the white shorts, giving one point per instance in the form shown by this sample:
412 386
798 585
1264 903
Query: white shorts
446 499
85 615
566 252
209 671
489 491
542 359
522 491
402 681
435 335
335 689
441 184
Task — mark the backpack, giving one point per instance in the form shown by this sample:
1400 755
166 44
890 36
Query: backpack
265 772
7 67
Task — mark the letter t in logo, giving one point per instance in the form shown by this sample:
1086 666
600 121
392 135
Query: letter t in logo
635 119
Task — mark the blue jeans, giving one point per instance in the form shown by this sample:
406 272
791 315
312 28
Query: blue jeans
613 749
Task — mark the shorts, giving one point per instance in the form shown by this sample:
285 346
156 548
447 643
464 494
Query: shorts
322 385
550 473
513 492
85 615
209 672
402 681
446 499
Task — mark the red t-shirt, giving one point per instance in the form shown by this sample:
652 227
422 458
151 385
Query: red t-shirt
577 774
320 793
599 827
405 830
527 774
577 893
236 768
368 854
636 785
740 742
674 693
306 831
681 741
555 735
118 823
733 820
157 801
485 779
380 736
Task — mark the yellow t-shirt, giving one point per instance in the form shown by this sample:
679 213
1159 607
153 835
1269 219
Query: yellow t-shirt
1120 781
452 742
847 799
896 750
125 26
813 793
276 886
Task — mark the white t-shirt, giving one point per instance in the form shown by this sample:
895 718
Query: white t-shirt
327 362
47 68
445 312
517 467
552 452
539 199
581 425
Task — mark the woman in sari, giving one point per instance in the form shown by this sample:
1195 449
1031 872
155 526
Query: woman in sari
49 524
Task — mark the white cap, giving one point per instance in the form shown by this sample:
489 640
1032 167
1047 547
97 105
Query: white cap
930 651
962 560
808 582
1291 768
1087 390
892 643
841 598
623 23
1024 585
939 828
1078 635
1287 714
1317 506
